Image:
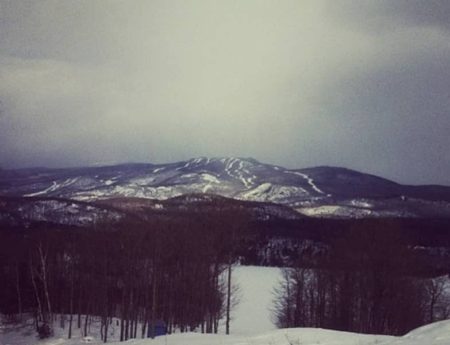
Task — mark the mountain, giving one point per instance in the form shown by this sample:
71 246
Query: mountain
318 192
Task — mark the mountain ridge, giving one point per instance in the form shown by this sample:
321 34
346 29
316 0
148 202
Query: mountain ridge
322 191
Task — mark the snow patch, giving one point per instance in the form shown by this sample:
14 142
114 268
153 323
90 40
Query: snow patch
361 203
55 185
258 191
142 181
274 193
50 189
210 178
338 211
308 179
206 188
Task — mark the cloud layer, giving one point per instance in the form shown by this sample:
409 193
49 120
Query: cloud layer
360 84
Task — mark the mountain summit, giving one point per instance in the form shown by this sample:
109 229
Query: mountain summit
320 191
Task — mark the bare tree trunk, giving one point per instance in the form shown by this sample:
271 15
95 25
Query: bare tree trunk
144 326
102 329
154 297
122 316
71 304
40 314
122 328
79 310
19 297
106 329
86 323
135 327
70 326
127 327
43 259
227 323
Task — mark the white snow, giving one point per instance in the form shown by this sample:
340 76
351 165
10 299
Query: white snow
187 164
235 168
251 325
68 182
434 334
52 188
253 314
273 193
142 181
334 211
210 178
361 203
203 160
239 172
308 179
248 180
229 164
257 192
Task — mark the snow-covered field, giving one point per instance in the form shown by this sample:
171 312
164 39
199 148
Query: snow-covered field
252 315
251 325
434 334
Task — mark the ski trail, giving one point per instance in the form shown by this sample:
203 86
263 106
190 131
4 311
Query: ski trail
241 165
229 165
238 172
187 164
251 179
52 188
309 180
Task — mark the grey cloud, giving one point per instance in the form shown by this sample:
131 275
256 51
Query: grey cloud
389 15
400 114
292 83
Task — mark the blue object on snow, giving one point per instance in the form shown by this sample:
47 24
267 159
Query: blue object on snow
160 329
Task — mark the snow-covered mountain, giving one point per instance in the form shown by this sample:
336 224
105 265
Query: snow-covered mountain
320 191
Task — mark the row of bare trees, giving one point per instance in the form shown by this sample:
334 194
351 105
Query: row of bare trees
136 273
370 282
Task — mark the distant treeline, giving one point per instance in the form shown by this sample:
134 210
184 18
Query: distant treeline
140 272
429 232
367 282
366 275
281 242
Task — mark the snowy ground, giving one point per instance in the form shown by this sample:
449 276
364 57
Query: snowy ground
251 325
252 315
434 334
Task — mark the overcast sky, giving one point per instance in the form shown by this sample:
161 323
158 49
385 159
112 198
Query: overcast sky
359 84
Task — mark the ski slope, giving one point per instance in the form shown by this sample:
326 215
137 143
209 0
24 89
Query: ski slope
253 314
251 325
